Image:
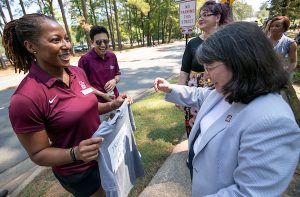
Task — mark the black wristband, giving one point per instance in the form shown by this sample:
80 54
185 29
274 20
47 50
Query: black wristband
72 155
116 80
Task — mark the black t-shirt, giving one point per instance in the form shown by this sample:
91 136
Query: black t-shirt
189 61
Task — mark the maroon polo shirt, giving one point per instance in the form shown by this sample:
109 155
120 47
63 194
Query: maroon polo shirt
99 71
68 114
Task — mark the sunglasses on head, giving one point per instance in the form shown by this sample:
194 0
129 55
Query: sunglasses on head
99 42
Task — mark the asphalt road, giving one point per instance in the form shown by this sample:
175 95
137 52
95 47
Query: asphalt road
138 66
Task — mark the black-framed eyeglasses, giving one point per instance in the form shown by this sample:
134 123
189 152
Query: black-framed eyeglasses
99 42
204 15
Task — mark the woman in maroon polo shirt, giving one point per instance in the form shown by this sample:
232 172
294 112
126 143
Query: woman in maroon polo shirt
54 111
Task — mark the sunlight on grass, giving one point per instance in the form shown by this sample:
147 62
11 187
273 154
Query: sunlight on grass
159 129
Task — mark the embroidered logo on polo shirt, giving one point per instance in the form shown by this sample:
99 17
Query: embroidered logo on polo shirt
82 84
52 100
228 118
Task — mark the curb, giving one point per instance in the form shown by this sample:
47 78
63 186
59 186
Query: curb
173 176
17 177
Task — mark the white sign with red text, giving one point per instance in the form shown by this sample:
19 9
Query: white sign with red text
187 16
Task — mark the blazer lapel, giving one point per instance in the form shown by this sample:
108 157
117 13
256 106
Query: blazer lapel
209 102
220 124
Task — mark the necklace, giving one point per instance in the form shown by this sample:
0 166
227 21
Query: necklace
202 37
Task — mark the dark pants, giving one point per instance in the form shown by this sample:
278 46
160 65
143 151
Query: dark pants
83 184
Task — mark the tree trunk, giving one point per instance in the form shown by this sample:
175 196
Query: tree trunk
148 32
109 24
85 15
112 27
117 24
159 15
23 7
40 6
129 23
2 15
9 10
50 2
66 23
93 12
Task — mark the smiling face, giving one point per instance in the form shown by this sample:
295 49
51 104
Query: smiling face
52 48
218 74
208 21
277 27
100 44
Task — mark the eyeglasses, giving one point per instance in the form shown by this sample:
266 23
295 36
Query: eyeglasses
204 15
99 42
210 68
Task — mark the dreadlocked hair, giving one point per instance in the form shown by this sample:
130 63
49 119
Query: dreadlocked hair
26 28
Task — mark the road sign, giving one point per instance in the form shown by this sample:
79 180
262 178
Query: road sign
187 16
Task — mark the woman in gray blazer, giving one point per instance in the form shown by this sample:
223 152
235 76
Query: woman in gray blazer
245 141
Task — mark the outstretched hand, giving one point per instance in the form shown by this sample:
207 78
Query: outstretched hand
162 85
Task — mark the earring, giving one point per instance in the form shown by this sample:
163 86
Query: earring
217 25
34 52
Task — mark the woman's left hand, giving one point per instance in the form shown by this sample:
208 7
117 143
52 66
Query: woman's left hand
110 85
88 149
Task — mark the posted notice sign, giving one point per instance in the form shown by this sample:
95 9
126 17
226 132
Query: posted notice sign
187 12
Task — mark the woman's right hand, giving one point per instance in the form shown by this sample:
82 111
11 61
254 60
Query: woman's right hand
162 85
88 149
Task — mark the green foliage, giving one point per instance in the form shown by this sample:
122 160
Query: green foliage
263 13
288 8
141 5
241 10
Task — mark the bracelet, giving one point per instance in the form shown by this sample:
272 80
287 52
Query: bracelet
72 155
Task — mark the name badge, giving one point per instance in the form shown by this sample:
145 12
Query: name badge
87 91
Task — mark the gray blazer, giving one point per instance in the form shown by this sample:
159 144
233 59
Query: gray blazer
251 150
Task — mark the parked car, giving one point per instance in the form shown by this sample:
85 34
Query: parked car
3 60
80 48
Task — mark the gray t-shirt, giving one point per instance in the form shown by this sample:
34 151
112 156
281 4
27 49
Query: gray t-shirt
119 160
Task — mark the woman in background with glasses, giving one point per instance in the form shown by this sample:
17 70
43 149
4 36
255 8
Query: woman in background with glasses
101 67
211 16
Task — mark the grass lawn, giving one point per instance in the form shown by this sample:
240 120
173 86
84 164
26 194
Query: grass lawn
159 128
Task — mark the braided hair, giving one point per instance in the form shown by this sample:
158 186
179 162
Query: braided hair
26 28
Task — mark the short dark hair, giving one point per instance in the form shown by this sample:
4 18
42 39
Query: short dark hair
15 32
249 55
218 8
285 21
97 30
